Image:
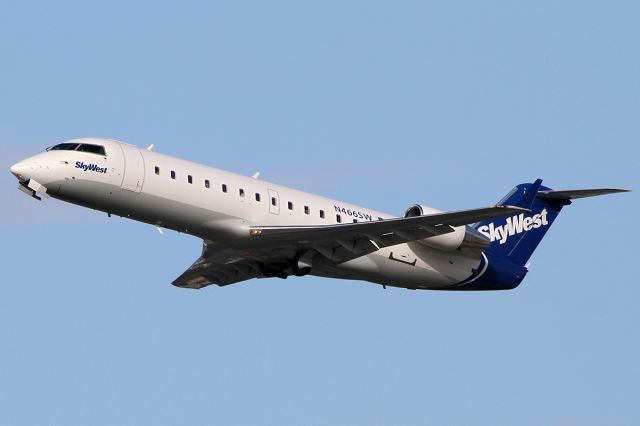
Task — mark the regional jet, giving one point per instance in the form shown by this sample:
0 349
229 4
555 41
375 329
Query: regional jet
255 229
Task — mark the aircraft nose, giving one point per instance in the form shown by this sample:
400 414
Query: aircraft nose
20 170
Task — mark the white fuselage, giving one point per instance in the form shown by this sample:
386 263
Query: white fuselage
221 206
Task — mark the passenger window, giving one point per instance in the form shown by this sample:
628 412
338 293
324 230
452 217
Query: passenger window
379 218
321 214
355 220
274 201
257 197
157 170
290 205
338 218
306 210
173 174
189 179
241 192
224 187
206 183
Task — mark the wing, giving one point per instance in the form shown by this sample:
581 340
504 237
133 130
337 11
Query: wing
223 265
343 242
273 249
217 268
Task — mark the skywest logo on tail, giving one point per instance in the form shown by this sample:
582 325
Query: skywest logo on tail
515 225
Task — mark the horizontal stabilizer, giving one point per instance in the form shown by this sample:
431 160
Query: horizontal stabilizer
577 193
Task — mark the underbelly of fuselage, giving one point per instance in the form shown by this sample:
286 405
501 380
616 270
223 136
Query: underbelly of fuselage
382 267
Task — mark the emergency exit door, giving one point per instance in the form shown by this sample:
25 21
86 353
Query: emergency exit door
274 202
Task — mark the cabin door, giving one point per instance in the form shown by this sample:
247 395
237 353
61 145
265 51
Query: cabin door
133 168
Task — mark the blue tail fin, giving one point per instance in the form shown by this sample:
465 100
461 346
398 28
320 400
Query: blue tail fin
514 239
517 237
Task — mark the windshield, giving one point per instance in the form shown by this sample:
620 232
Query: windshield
64 147
82 147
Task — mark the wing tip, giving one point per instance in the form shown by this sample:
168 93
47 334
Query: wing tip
194 283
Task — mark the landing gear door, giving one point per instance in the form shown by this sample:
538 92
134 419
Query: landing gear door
133 168
274 202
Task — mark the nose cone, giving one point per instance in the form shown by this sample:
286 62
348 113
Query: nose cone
21 170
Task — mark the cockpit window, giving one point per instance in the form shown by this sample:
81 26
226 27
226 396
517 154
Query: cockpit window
94 149
64 147
84 147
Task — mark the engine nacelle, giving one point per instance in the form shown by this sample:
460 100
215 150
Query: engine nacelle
449 241
462 236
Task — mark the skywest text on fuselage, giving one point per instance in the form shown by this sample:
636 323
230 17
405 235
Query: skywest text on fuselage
90 167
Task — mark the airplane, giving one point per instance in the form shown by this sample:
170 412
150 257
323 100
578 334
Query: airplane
256 229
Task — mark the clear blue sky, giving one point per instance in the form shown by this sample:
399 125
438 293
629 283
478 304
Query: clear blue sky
384 104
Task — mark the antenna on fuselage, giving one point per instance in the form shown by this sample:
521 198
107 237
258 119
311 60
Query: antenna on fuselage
150 147
256 175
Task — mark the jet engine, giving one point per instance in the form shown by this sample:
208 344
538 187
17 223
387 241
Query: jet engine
460 237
